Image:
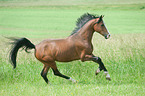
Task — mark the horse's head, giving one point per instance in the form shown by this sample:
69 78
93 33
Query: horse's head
100 27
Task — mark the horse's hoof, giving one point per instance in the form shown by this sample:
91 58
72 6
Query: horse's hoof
108 79
97 71
72 80
48 83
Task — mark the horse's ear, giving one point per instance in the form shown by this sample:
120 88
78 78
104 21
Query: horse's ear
101 16
100 19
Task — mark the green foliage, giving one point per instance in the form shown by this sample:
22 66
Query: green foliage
123 54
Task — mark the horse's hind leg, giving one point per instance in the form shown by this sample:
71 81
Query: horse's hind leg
101 67
57 73
44 72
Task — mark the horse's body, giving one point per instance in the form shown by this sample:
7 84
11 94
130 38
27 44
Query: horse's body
55 50
59 50
78 46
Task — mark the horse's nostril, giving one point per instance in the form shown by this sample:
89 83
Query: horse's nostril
107 36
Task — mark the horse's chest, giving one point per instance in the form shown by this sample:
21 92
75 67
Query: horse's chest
89 49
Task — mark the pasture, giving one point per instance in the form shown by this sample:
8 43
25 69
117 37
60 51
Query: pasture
123 54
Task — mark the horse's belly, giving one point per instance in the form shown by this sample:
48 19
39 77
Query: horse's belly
67 60
67 57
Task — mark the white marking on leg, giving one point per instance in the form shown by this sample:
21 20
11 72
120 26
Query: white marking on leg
106 72
98 70
96 58
107 75
70 79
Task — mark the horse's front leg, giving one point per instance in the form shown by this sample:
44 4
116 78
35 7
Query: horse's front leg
85 57
101 67
99 61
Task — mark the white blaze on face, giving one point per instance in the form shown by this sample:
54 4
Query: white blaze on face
108 35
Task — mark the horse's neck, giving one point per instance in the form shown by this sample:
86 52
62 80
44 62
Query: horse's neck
86 32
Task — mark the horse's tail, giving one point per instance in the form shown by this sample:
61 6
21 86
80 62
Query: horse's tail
17 44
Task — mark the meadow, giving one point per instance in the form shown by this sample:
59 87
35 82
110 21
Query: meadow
123 54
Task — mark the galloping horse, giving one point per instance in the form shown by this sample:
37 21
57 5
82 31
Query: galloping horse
78 46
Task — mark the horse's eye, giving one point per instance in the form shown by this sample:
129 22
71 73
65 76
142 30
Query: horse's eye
102 25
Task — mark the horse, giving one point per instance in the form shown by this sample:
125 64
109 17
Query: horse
77 46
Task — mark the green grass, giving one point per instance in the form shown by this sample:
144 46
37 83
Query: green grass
65 2
123 54
46 22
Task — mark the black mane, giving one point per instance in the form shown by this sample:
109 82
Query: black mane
82 21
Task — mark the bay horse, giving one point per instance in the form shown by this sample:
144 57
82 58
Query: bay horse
77 46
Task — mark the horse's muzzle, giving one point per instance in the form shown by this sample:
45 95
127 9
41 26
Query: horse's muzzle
107 36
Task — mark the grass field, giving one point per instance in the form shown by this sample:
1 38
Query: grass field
123 54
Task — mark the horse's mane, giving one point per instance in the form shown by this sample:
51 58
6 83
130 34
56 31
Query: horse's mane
82 21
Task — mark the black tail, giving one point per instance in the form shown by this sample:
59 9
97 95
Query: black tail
17 44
